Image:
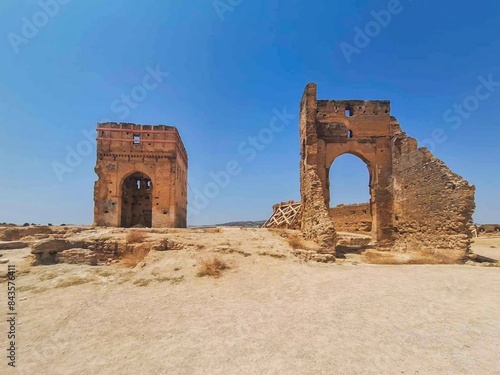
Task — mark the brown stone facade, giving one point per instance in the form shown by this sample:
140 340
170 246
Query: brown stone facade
416 202
142 176
352 217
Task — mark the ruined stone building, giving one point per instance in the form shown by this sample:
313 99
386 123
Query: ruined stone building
142 176
417 203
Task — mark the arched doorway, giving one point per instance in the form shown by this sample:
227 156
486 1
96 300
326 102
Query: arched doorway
137 203
348 183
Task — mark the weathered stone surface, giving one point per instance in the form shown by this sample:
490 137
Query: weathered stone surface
47 251
55 245
433 206
16 233
323 258
417 203
77 256
13 245
314 256
348 239
106 249
352 217
316 223
166 244
142 176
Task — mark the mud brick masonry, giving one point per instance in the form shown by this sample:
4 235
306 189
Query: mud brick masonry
352 217
417 203
142 176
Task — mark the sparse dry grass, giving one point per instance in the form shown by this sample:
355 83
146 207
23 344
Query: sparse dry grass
142 282
48 276
104 272
209 230
156 271
276 230
135 236
74 280
31 288
424 257
228 250
133 258
212 267
173 280
296 242
272 255
24 270
126 277
25 288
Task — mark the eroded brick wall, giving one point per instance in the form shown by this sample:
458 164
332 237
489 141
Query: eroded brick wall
316 222
433 206
352 217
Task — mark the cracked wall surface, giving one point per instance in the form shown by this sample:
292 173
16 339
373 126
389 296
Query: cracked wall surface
416 204
142 176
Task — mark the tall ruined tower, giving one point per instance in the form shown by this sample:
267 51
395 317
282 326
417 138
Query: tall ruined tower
142 176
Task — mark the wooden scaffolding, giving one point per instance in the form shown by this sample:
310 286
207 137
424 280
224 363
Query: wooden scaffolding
286 215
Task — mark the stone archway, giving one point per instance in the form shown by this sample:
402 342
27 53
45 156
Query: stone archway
350 207
137 200
417 202
378 159
331 128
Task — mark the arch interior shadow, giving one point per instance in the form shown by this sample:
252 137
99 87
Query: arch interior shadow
137 202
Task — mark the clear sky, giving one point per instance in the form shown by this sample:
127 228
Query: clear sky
66 65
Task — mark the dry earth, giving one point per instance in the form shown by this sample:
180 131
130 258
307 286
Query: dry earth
270 313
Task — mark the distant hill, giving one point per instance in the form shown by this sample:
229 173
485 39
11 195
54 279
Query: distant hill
246 224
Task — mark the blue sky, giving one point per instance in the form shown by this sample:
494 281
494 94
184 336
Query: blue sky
230 68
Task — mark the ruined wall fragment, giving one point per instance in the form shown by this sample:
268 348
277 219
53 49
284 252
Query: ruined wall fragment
433 206
316 222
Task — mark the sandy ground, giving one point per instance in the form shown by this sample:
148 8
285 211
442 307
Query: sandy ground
488 247
267 314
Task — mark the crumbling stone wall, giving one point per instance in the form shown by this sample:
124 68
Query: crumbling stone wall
433 206
88 250
352 217
316 223
142 176
417 203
